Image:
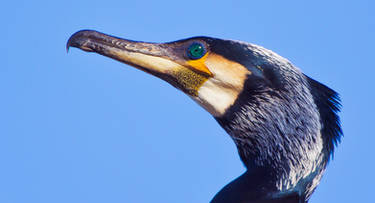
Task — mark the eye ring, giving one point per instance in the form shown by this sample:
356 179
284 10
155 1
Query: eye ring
196 51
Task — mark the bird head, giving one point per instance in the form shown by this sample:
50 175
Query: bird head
280 119
204 68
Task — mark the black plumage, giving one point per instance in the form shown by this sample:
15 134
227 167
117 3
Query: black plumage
274 124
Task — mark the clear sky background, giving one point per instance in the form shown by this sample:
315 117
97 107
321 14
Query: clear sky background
80 127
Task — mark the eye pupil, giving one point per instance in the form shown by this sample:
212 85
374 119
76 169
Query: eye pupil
196 51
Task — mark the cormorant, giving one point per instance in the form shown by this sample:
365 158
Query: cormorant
284 124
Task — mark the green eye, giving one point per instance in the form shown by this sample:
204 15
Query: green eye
196 51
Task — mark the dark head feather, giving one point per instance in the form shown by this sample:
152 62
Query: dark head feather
328 103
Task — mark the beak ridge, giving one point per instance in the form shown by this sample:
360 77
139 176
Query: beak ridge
93 41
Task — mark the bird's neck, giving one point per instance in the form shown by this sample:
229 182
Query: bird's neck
278 141
254 186
268 178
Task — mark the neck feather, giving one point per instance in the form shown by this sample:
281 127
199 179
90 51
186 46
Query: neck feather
280 133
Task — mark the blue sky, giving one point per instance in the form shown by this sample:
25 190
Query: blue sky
80 127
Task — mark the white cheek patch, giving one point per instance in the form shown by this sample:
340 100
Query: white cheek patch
215 98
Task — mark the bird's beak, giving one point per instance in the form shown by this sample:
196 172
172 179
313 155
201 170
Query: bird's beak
160 60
